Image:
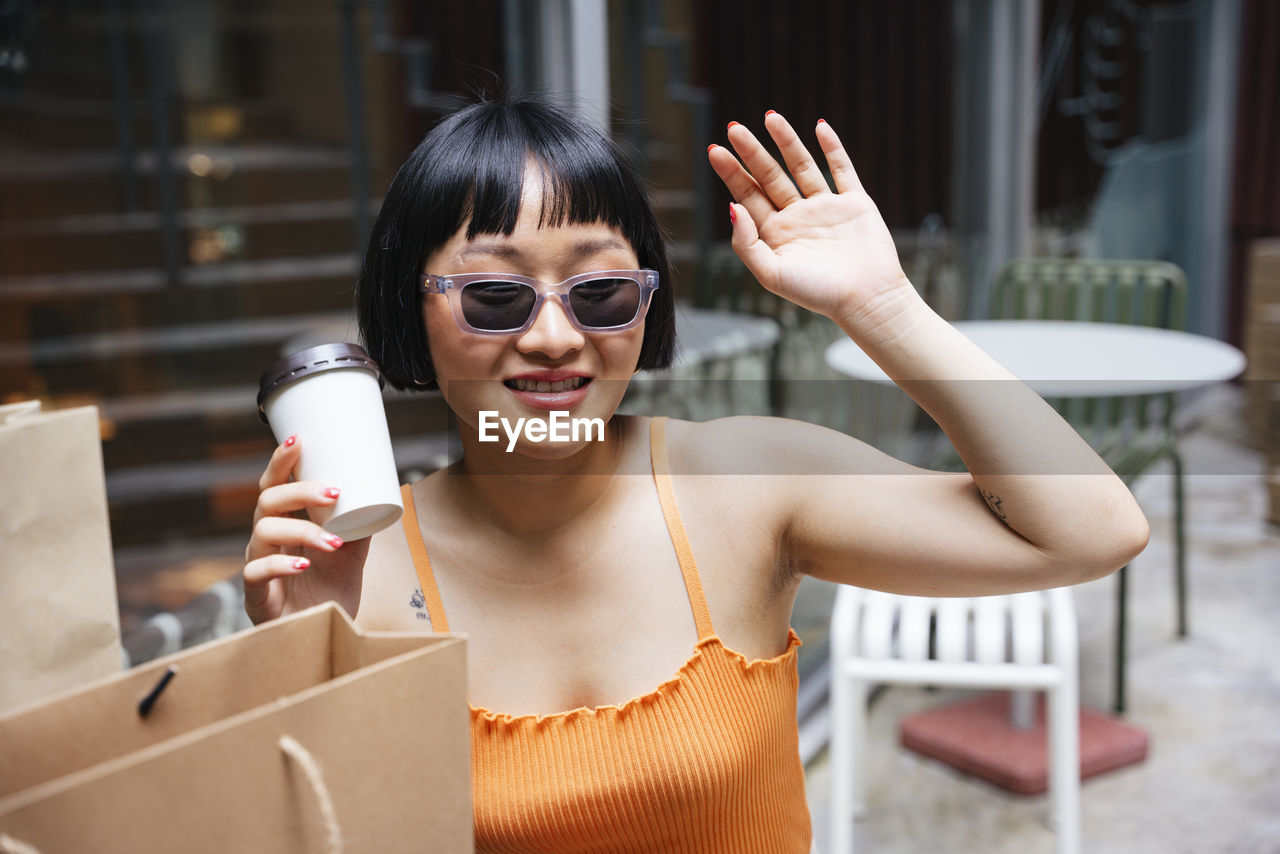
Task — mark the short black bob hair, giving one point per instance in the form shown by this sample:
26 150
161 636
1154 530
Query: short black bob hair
469 170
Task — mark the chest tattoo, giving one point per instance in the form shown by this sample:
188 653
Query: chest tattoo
419 603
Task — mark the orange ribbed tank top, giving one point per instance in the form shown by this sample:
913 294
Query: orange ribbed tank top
707 762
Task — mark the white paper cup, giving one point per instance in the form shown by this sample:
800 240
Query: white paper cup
330 396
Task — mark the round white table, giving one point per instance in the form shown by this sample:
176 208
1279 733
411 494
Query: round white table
1068 359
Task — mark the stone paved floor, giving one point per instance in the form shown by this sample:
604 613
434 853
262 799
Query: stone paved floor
1210 703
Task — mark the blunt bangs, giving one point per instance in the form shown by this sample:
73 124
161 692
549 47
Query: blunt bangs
469 171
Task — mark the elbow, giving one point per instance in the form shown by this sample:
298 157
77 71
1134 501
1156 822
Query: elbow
1131 541
1125 536
1141 535
1133 532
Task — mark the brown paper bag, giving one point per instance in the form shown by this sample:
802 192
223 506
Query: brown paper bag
301 735
59 620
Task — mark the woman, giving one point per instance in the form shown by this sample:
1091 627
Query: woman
587 572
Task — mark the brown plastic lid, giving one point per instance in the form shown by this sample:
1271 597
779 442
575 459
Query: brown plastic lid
313 360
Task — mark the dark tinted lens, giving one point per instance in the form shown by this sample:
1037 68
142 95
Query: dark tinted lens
603 303
497 305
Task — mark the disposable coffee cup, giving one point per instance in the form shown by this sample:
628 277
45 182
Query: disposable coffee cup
330 396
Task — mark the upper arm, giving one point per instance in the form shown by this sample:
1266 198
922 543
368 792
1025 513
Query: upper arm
848 513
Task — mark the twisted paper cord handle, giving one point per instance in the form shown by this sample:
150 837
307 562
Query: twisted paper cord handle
311 769
292 749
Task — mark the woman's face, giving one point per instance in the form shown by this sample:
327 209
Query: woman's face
499 373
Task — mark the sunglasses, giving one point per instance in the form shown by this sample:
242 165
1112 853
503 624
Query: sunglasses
506 304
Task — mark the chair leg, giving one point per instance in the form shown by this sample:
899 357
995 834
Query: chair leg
1122 638
848 755
1063 724
1179 543
858 731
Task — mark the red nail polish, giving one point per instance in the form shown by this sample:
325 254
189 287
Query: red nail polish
733 215
711 146
771 112
333 540
732 125
822 121
301 563
332 492
288 443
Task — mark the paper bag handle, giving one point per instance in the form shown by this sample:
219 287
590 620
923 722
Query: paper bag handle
310 770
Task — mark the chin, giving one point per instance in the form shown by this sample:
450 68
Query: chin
531 458
550 451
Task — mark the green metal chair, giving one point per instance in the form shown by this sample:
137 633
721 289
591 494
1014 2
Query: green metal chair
1130 433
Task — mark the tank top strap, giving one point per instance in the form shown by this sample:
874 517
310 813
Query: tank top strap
675 527
422 563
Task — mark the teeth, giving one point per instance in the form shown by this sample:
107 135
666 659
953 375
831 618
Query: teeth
544 387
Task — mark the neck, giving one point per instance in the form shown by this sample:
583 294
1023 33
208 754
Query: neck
535 498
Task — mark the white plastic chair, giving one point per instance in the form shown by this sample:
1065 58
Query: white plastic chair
1023 642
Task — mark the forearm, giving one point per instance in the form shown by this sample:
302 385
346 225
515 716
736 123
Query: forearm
1031 467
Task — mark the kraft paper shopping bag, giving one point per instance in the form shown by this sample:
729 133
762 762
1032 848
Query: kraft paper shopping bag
59 620
300 735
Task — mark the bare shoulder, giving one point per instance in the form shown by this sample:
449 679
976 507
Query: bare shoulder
775 486
752 477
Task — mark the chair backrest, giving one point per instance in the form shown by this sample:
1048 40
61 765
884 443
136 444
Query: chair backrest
1031 628
1131 432
1142 293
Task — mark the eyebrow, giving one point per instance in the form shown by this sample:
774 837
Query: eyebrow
507 252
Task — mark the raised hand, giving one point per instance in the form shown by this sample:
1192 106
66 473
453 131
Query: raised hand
829 252
292 563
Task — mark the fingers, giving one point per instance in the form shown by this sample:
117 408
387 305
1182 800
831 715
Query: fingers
288 498
741 185
771 178
263 599
767 186
842 171
281 496
272 534
754 252
266 569
804 171
281 464
274 551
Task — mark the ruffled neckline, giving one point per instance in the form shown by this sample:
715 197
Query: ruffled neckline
615 710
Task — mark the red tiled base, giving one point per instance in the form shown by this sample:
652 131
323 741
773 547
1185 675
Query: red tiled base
977 737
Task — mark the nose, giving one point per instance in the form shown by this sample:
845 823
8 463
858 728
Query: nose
552 334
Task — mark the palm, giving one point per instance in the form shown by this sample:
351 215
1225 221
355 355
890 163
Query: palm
827 246
332 577
826 251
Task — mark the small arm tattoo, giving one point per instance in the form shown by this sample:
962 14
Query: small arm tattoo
419 603
996 505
